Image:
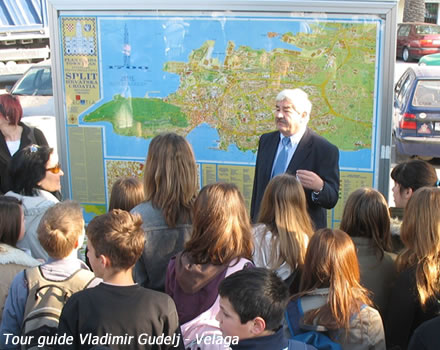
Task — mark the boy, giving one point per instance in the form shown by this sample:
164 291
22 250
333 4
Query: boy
61 234
118 313
252 305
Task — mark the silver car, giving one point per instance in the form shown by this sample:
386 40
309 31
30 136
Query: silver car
34 90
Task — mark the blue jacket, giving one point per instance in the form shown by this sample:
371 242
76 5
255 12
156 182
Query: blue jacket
276 341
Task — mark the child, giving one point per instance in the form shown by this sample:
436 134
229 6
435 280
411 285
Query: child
331 298
60 232
12 259
414 298
284 228
127 192
171 185
220 244
252 304
366 219
118 308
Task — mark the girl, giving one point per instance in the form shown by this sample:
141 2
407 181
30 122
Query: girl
12 259
366 219
331 297
416 294
170 185
284 227
220 243
127 192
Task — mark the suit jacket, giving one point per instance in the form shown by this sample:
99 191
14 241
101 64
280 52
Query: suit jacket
313 153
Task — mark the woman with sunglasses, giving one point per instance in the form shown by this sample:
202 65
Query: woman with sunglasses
14 136
35 174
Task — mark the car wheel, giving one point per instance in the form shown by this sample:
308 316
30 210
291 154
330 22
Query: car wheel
405 55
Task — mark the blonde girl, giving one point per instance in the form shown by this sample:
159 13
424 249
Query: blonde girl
284 227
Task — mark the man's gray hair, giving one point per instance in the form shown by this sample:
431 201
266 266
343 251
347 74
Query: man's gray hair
299 98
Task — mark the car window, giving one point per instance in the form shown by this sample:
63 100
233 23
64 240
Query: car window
427 93
36 82
421 29
403 30
400 82
406 83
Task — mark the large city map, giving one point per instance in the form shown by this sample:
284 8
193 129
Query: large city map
214 81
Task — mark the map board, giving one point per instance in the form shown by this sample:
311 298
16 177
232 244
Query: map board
213 78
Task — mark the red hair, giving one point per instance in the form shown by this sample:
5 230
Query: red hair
10 108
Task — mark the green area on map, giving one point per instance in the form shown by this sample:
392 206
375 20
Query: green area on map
143 117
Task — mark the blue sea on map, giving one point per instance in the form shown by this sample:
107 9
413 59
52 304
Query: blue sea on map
204 140
153 42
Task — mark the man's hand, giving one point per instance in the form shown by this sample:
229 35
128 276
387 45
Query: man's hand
310 180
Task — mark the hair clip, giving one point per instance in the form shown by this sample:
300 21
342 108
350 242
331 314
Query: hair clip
437 184
33 148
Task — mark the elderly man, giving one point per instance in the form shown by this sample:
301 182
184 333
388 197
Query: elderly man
297 150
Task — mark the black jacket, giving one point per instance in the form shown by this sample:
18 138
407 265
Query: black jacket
28 136
313 153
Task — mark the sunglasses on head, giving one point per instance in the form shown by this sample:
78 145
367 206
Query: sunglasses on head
34 148
55 170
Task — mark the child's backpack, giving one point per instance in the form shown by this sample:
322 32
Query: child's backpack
314 335
45 301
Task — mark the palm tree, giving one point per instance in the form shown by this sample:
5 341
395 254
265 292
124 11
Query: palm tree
414 11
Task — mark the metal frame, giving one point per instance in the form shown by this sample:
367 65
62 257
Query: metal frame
385 9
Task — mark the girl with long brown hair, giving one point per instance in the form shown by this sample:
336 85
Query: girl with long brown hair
366 219
221 242
170 186
284 228
331 297
415 297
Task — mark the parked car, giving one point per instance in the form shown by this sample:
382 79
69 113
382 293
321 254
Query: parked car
430 60
415 40
34 90
416 118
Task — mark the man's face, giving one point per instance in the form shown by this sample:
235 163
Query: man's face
287 118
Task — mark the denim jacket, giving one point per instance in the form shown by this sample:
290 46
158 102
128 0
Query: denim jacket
161 244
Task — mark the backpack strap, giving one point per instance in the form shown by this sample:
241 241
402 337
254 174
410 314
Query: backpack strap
80 279
293 315
36 282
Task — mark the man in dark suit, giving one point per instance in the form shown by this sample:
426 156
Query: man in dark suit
297 150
